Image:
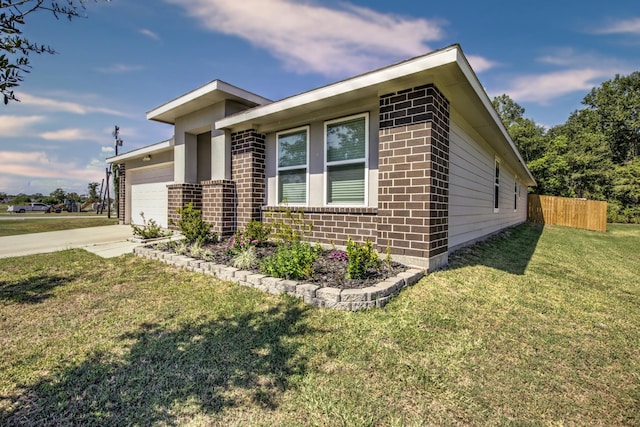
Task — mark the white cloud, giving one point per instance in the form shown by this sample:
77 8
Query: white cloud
107 150
58 105
39 165
148 33
625 26
18 125
480 64
119 69
309 37
542 88
74 134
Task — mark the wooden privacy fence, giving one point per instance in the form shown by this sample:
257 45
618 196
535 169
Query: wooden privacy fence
577 213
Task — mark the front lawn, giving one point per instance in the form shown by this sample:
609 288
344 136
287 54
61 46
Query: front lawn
534 327
12 227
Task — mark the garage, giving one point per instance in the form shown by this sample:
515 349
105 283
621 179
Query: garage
149 193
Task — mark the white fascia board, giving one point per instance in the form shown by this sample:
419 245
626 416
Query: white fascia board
412 66
141 152
216 85
473 80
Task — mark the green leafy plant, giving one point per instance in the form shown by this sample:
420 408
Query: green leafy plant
181 248
192 226
246 259
149 230
257 231
240 242
361 258
195 250
387 257
291 262
289 224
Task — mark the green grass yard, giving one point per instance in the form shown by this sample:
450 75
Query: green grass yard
29 224
535 327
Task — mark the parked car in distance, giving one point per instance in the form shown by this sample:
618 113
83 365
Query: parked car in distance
31 207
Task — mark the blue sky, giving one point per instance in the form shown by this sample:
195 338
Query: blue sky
128 57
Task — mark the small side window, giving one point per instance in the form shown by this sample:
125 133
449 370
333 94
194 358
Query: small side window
496 188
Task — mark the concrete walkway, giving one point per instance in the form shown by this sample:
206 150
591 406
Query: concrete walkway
107 241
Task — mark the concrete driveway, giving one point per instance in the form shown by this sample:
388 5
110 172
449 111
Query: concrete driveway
107 241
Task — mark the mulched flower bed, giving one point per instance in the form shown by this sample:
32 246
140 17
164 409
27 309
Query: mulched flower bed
329 270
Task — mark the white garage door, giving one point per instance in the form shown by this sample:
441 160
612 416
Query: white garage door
149 194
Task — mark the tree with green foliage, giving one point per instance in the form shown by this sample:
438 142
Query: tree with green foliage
624 201
58 195
616 108
21 199
528 137
93 191
15 48
73 196
588 156
593 155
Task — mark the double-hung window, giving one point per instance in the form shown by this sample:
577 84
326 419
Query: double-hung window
346 153
292 166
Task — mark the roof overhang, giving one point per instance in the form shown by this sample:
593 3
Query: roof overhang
205 96
141 152
447 68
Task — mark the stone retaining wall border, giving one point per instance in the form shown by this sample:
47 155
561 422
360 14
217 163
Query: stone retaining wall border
328 297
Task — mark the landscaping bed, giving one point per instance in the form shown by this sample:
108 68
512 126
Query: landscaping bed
277 250
328 270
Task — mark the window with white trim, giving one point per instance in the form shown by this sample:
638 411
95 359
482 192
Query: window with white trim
293 166
346 163
496 187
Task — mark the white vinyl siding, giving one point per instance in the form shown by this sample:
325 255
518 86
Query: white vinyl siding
472 186
293 148
346 166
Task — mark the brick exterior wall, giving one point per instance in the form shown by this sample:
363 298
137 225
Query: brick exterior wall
122 184
413 192
247 171
178 196
411 218
332 225
219 205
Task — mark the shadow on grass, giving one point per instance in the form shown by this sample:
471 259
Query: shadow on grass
509 251
33 290
171 375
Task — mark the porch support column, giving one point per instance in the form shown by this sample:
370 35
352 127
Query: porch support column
248 174
178 196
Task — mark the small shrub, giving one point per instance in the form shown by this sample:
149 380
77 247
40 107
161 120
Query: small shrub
207 254
240 242
387 258
360 258
192 226
258 231
181 248
290 225
196 250
246 259
291 262
149 230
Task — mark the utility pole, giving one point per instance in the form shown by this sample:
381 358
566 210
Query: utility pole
108 172
116 136
116 173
